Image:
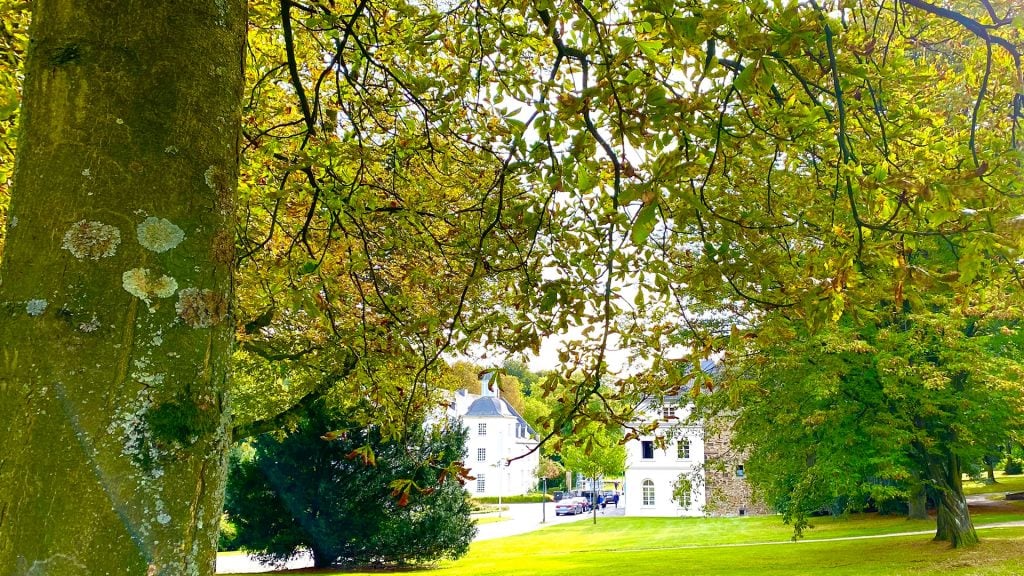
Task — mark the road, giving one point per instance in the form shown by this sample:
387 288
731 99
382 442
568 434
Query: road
525 518
518 519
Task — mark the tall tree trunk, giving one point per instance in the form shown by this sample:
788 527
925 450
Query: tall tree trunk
114 287
990 469
917 503
953 523
323 558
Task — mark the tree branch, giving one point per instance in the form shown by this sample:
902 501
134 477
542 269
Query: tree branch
283 418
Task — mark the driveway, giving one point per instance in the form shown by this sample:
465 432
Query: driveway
523 518
518 519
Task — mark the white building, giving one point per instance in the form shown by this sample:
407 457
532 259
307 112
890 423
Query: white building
497 433
653 466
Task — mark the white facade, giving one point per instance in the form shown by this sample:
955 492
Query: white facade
496 434
652 471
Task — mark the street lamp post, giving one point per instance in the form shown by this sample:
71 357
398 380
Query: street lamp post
544 503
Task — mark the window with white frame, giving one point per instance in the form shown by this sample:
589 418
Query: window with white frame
683 449
668 412
481 429
481 454
648 493
481 483
685 500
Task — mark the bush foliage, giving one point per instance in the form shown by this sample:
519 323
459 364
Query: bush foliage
1013 466
392 504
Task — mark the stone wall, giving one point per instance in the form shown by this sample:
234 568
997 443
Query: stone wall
728 493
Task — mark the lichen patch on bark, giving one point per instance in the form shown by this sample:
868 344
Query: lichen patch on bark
36 307
201 308
88 239
159 234
143 284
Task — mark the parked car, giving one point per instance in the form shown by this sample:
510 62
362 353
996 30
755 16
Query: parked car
589 497
569 505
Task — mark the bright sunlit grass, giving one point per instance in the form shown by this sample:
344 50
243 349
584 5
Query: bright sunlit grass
752 545
1003 483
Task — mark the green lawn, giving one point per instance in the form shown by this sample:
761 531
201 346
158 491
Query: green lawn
1003 483
490 519
758 545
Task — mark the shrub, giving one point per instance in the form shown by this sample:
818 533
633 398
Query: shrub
1014 466
299 491
227 539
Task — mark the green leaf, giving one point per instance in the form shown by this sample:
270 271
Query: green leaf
650 48
969 265
585 180
656 96
745 78
644 224
635 75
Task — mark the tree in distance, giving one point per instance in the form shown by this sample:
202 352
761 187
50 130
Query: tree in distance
595 451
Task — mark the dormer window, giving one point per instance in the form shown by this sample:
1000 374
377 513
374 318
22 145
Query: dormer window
668 412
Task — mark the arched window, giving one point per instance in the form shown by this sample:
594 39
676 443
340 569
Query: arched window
648 493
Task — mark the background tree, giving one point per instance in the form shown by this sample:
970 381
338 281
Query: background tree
351 497
594 451
872 410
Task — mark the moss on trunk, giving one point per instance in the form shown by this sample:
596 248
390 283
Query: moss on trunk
953 522
113 289
917 502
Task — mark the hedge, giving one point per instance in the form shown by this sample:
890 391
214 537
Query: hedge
521 499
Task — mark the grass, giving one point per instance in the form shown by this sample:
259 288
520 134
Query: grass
487 509
490 520
727 546
1003 483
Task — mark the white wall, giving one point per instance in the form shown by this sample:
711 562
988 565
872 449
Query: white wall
663 470
500 444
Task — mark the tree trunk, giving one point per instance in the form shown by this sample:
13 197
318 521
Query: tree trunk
917 503
990 468
953 523
323 558
114 289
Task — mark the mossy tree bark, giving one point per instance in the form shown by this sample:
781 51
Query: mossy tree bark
114 289
917 502
953 521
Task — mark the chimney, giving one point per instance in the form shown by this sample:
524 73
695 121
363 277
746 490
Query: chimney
489 385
